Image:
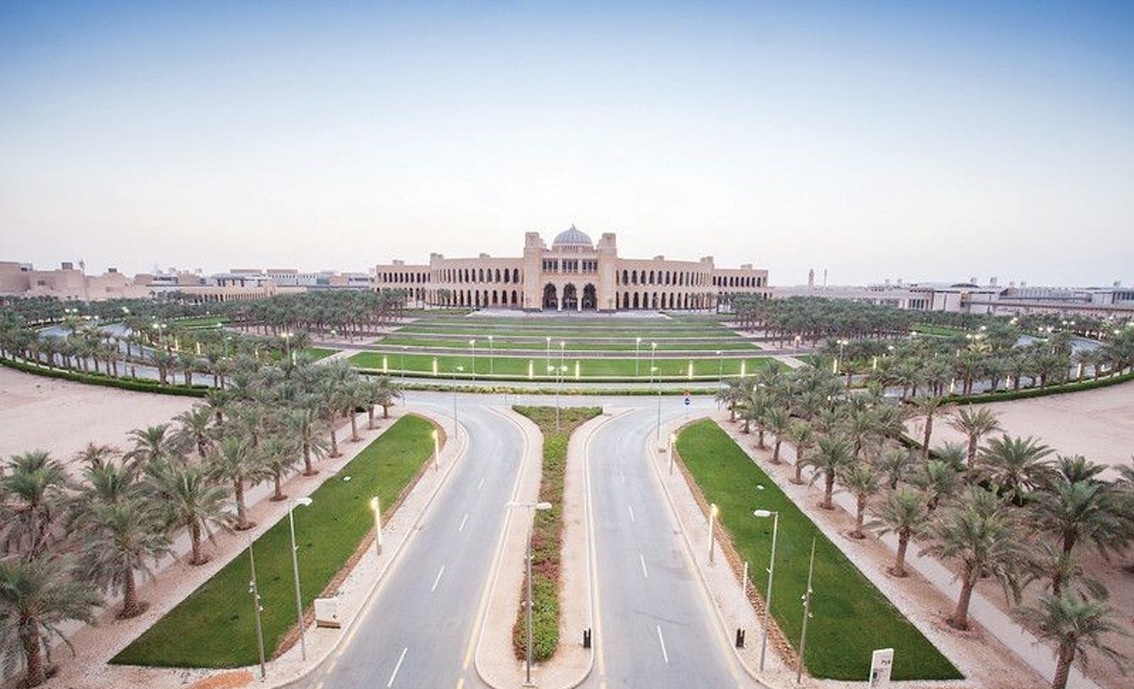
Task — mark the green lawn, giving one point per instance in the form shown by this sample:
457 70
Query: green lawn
214 627
317 353
518 368
851 617
576 344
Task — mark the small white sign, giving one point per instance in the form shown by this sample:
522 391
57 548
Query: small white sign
881 662
327 612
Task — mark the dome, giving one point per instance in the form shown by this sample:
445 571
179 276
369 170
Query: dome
572 237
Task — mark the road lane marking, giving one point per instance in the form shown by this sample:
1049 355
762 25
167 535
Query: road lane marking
463 520
460 683
480 484
320 684
403 657
632 519
665 656
642 559
438 579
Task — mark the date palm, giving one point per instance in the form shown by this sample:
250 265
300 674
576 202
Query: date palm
237 461
938 481
305 426
830 460
734 392
974 423
779 423
862 482
280 453
150 444
1076 625
1015 466
117 539
33 494
36 597
189 499
194 427
982 535
904 515
927 407
802 435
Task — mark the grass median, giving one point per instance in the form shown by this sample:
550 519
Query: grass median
215 626
851 617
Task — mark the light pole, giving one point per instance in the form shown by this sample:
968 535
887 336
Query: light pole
287 344
637 348
720 368
472 346
436 451
764 514
548 338
839 361
713 511
491 355
455 370
254 589
376 508
530 506
672 447
295 569
402 365
806 614
653 354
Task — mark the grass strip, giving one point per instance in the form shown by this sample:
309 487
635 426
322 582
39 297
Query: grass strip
214 626
851 617
547 532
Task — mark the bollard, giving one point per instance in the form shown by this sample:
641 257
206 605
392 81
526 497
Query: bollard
739 637
586 638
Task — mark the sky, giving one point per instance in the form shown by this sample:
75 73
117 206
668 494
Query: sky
925 141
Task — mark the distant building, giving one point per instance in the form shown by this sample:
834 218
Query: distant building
574 274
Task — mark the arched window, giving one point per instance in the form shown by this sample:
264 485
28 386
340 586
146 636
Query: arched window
515 275
497 277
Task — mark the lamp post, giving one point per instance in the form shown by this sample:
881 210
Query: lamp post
548 338
713 511
295 569
528 612
720 368
402 363
672 446
287 344
472 346
491 356
764 514
839 361
254 589
455 370
376 508
806 614
436 451
653 368
637 348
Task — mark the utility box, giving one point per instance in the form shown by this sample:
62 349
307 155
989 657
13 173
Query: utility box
327 613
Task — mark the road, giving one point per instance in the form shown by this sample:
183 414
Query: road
417 629
655 624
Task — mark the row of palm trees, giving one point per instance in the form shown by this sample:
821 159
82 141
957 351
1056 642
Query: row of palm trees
69 535
997 507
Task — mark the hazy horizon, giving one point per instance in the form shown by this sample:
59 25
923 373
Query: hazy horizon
876 141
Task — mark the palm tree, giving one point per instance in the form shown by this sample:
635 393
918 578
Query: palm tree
117 539
927 407
863 482
802 435
385 392
193 430
33 491
985 538
306 427
938 480
236 460
975 423
189 499
151 444
1014 466
831 460
904 515
779 423
734 392
36 596
280 454
1076 624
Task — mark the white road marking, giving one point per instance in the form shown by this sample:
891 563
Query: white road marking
665 656
463 520
480 484
438 579
642 559
631 513
403 657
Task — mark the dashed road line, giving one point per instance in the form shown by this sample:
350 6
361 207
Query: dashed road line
402 657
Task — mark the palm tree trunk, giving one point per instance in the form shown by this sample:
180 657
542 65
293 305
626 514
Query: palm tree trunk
353 426
241 511
385 411
861 510
926 437
195 538
776 451
828 490
960 617
370 417
308 470
334 443
36 674
1063 665
129 596
899 569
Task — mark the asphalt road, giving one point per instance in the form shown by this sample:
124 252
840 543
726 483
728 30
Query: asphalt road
417 630
655 622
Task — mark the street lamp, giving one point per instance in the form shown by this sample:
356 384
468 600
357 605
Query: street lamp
764 514
806 614
842 344
653 353
637 347
436 451
376 508
713 512
548 338
254 589
720 368
672 446
402 365
491 354
530 506
287 344
295 569
455 370
472 346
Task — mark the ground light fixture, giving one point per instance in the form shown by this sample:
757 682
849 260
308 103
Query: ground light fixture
306 502
531 506
764 514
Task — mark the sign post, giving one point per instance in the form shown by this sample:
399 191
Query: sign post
881 662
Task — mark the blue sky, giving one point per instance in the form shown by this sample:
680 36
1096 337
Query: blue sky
931 141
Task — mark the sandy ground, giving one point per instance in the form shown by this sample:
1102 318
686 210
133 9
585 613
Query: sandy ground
62 417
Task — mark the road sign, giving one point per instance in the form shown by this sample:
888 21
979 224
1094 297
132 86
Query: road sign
881 662
687 402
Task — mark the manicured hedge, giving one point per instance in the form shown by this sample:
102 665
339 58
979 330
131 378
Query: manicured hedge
133 384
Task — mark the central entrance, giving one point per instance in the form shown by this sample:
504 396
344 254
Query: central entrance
570 298
550 297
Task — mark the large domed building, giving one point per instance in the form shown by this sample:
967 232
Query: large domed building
575 274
